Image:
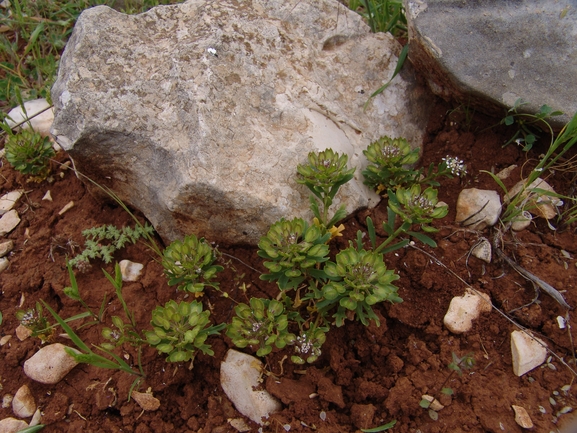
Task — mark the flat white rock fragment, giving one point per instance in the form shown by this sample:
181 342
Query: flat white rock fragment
50 364
239 378
6 247
40 123
8 222
23 404
130 270
464 309
478 208
4 263
528 353
12 425
8 200
522 417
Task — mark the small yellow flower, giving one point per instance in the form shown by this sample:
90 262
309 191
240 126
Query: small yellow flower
336 231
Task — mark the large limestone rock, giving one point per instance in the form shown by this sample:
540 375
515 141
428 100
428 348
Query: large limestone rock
198 113
497 51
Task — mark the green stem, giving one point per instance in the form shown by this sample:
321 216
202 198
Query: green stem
403 228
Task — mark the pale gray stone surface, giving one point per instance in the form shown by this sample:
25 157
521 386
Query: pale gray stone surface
9 221
23 403
498 51
527 352
197 114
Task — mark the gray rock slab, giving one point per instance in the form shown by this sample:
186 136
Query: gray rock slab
197 114
490 53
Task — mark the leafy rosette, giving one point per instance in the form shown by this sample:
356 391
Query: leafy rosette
417 207
389 158
292 250
260 325
180 330
190 264
360 279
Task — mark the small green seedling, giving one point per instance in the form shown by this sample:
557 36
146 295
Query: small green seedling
34 320
456 366
528 124
29 153
380 428
103 241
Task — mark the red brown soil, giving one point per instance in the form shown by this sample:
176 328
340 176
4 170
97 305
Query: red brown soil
366 376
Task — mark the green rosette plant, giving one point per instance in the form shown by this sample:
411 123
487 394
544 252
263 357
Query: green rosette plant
180 330
308 345
261 324
190 264
414 206
292 250
389 158
324 174
29 153
360 280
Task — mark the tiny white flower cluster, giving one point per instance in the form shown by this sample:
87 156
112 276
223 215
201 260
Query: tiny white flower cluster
456 166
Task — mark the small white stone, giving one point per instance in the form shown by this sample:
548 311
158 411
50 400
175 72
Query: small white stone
50 364
240 379
7 201
538 204
478 208
146 400
7 401
23 404
9 221
528 352
36 418
561 322
47 196
40 123
482 250
66 207
522 221
464 309
4 263
22 332
504 174
130 270
5 339
239 424
12 425
522 417
435 404
6 247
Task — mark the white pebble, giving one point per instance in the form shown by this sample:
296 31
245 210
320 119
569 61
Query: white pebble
23 403
50 364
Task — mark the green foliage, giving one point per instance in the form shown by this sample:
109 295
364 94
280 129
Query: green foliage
324 174
528 124
360 279
190 264
558 147
34 320
180 330
417 207
381 428
382 15
260 325
29 153
87 356
103 241
391 162
293 249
